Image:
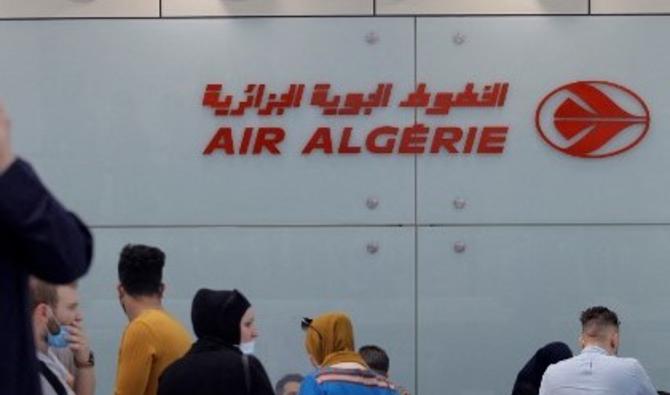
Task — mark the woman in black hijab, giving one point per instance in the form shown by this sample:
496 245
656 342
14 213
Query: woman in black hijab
529 378
223 321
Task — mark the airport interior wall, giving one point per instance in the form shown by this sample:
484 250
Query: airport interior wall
460 264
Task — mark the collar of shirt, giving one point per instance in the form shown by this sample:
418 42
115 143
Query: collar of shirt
594 350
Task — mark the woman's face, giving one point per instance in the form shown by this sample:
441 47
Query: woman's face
248 331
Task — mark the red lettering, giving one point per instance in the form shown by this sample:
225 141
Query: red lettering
268 138
246 140
321 139
345 147
492 140
446 137
470 140
371 140
413 139
222 140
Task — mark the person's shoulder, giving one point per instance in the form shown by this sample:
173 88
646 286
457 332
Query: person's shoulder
564 364
160 321
560 368
139 328
254 361
356 377
154 316
311 376
629 365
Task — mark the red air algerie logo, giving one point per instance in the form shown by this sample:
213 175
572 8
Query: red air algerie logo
592 119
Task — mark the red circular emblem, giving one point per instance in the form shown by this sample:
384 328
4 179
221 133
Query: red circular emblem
592 119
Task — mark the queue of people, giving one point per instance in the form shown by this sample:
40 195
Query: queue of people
44 249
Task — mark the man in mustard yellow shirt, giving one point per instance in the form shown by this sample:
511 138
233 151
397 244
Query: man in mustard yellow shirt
153 339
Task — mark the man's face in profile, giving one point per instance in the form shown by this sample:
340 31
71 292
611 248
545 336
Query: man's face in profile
291 388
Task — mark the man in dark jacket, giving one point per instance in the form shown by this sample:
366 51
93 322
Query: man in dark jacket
39 237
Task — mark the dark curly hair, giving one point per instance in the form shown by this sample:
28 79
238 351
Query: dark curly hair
141 269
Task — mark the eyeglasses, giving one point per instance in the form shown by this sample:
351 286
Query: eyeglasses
306 323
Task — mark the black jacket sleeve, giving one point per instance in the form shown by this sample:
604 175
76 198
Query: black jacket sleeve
260 383
50 242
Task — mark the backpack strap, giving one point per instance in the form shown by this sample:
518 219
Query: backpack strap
52 379
247 373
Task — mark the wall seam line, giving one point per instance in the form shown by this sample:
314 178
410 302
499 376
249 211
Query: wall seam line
416 226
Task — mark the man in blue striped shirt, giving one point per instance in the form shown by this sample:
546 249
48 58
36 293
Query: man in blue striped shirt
597 370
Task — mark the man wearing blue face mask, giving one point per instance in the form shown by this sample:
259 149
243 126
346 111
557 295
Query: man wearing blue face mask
54 341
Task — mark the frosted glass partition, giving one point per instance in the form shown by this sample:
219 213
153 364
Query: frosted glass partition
531 182
514 289
111 113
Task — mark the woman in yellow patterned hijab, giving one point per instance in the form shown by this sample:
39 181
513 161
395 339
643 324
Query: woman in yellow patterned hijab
329 340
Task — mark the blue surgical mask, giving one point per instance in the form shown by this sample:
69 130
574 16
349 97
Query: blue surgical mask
56 334
59 340
248 347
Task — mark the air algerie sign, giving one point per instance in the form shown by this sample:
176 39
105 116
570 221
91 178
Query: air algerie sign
585 119
382 139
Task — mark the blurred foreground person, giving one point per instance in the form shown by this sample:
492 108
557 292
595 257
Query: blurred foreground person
220 361
38 236
153 339
529 378
597 370
329 340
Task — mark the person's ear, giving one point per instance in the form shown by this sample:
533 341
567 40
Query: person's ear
161 289
582 344
614 342
42 311
121 291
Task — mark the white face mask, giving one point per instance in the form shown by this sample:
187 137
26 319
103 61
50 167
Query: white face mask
248 347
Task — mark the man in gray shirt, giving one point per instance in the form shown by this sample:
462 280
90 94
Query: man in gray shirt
597 370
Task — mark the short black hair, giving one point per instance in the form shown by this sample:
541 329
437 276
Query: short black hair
375 357
289 378
597 317
141 269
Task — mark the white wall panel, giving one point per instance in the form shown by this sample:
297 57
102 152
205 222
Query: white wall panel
627 6
78 8
515 289
286 274
266 7
110 113
481 6
531 182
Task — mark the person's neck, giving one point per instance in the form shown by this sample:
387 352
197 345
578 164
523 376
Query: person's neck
40 342
605 346
141 304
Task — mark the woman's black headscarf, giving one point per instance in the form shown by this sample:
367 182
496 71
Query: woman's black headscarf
529 378
216 315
